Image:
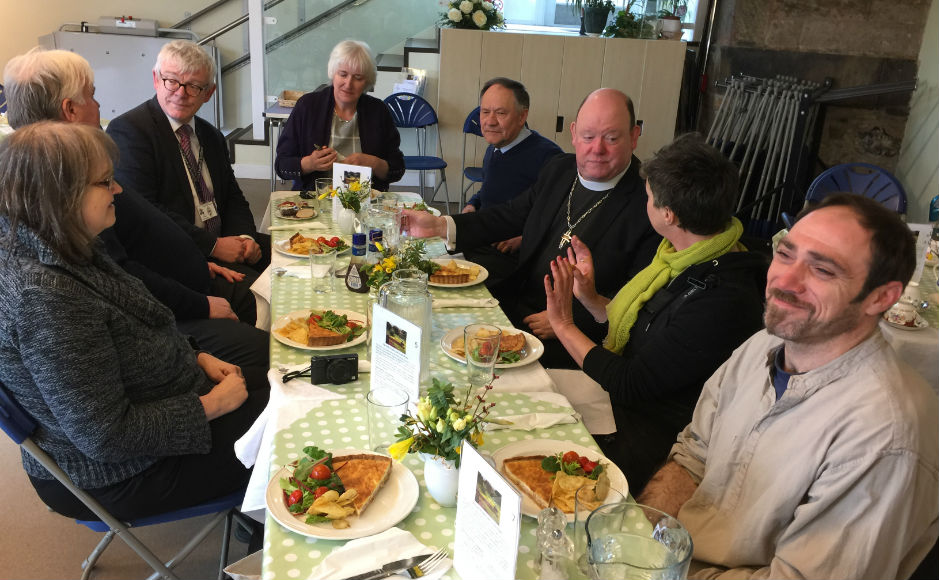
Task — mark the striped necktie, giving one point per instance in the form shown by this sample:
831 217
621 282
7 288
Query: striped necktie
205 194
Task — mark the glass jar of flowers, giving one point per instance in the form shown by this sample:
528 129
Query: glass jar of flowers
437 431
410 255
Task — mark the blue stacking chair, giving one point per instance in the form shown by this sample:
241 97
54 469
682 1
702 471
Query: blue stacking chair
860 178
473 174
20 426
411 111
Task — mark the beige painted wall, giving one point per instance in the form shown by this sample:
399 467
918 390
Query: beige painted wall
918 166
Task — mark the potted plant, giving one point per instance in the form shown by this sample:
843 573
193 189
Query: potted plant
630 23
594 14
437 431
671 13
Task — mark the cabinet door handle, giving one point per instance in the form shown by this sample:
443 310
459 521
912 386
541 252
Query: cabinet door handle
559 127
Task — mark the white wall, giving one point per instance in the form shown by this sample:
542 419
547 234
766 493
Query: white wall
918 166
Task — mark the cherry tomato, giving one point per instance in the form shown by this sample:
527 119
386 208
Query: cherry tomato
294 497
320 472
588 466
320 491
315 317
335 240
352 325
329 243
485 349
570 457
321 240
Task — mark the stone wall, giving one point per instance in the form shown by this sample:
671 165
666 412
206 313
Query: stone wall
855 42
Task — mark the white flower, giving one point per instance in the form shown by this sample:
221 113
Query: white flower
466 6
454 15
487 6
479 18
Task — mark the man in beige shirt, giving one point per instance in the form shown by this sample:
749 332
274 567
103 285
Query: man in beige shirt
813 450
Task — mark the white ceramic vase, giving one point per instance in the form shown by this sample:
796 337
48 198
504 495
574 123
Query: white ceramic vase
441 477
345 220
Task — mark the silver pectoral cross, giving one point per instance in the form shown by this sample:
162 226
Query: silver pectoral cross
565 239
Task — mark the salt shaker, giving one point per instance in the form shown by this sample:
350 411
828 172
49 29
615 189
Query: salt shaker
555 549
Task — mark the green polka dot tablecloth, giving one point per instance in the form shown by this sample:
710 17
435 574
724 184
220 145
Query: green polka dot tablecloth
341 423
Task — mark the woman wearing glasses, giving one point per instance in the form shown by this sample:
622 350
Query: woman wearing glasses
339 123
125 405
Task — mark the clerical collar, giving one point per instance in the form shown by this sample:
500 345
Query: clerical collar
522 135
603 185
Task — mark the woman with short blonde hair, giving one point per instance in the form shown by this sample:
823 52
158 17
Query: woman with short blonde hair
339 123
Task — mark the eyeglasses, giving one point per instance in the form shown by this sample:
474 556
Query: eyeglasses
172 85
106 183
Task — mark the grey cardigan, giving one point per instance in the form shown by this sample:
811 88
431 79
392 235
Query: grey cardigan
97 361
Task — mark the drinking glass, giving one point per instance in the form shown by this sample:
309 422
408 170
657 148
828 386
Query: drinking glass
630 540
585 497
323 185
322 267
385 407
481 342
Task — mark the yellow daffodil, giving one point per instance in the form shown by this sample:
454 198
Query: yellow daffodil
355 186
389 270
477 438
400 449
379 247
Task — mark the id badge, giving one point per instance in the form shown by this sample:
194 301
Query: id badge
207 211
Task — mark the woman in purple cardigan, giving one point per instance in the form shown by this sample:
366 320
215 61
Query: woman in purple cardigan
340 123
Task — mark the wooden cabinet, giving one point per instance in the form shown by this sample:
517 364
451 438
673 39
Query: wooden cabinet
558 71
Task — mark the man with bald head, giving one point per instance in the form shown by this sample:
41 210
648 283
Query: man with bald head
595 194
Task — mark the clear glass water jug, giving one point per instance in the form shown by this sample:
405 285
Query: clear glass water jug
407 296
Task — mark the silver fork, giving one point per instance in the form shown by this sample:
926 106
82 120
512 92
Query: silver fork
429 565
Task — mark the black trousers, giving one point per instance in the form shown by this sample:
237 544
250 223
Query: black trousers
174 482
234 342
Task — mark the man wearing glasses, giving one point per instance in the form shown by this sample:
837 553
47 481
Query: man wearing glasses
180 163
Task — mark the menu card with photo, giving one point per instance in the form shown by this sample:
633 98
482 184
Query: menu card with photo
396 353
344 174
488 520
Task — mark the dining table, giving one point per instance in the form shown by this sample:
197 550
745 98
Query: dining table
334 416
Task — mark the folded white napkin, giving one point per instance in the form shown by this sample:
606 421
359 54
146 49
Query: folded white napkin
299 226
531 421
465 302
370 553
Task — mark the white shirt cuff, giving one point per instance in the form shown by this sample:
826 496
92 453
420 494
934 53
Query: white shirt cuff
451 234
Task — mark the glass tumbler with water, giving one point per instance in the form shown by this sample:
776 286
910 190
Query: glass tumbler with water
629 540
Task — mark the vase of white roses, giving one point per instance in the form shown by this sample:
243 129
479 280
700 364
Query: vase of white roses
473 15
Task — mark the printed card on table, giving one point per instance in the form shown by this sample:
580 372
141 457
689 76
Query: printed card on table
344 174
396 353
488 520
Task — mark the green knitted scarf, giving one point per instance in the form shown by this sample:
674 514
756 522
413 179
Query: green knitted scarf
665 266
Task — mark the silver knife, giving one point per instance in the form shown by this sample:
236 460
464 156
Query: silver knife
389 569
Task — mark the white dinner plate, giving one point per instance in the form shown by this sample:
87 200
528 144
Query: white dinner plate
410 204
283 320
919 323
483 273
393 502
283 247
532 351
553 447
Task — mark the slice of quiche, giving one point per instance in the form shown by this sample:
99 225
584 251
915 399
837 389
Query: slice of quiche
528 476
366 473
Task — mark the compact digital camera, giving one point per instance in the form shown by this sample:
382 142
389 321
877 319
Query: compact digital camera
337 369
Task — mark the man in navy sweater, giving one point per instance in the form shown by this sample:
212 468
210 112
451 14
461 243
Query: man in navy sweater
511 165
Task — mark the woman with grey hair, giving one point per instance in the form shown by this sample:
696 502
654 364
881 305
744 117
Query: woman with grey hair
340 123
125 404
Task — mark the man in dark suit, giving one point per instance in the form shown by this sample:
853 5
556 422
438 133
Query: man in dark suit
180 163
596 194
